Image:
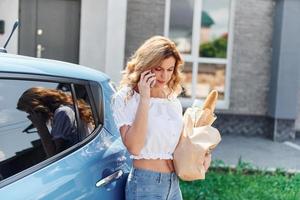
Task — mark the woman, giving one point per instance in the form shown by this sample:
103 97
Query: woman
149 117
55 108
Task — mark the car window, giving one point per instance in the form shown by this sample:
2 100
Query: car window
38 120
88 118
96 92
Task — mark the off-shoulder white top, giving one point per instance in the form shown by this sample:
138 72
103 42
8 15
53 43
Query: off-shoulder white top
165 122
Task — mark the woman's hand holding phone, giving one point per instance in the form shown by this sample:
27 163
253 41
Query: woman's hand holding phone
147 81
38 119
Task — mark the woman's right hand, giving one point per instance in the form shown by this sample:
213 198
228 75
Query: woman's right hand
37 119
147 81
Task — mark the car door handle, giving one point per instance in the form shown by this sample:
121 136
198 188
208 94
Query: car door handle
116 175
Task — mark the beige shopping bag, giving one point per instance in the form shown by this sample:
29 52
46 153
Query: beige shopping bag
197 139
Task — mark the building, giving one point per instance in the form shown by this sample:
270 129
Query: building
246 49
78 31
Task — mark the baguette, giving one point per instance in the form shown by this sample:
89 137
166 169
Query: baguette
211 100
205 115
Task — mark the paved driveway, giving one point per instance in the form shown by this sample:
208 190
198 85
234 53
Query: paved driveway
261 152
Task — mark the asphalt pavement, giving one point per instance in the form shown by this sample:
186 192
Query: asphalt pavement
260 152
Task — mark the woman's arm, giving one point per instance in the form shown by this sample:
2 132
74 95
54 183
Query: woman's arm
50 146
39 121
207 161
47 142
134 136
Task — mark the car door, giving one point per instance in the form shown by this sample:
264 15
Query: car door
96 167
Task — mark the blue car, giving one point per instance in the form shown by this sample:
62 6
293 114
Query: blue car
95 166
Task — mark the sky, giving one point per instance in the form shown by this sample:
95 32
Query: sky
182 14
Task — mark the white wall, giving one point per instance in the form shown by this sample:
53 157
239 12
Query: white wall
116 36
102 35
93 34
9 12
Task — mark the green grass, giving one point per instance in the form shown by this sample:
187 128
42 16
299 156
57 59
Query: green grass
243 182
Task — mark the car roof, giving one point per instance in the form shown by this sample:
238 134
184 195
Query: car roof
30 65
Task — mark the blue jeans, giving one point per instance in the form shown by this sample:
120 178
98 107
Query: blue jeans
145 184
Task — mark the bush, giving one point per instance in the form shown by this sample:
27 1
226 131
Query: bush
214 49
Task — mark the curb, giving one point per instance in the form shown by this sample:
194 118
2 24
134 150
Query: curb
251 170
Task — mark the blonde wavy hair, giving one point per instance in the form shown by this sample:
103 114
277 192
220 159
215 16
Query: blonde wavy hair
151 54
47 100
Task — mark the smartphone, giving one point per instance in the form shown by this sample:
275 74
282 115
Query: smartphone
154 81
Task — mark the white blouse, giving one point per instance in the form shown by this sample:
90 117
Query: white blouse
165 122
